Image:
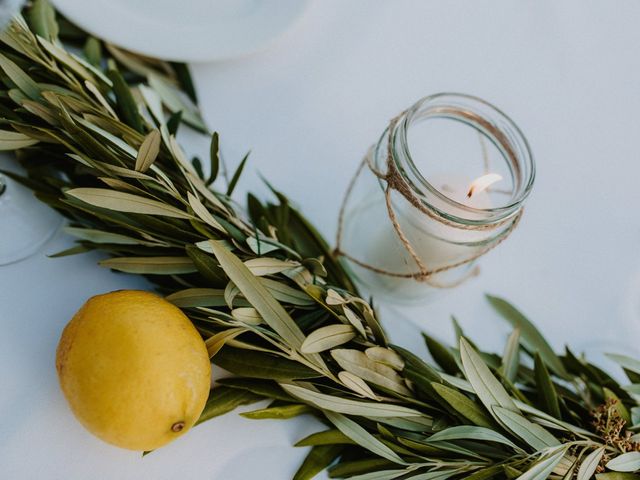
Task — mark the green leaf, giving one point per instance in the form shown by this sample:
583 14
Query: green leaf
437 475
215 342
486 473
319 458
489 390
282 412
127 107
357 362
546 388
71 251
223 399
358 467
286 294
125 202
415 363
173 123
380 475
186 82
262 266
363 438
627 462
207 266
590 464
610 396
326 437
511 356
348 406
214 155
18 76
13 140
265 388
148 151
617 476
531 337
633 389
151 265
203 214
236 175
626 362
197 297
384 355
93 51
532 433
272 312
326 338
247 315
441 355
98 236
544 468
174 102
463 405
357 384
251 364
464 432
42 20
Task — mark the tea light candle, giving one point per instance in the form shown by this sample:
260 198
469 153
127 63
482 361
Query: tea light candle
436 244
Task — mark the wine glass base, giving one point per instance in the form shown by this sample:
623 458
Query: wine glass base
27 223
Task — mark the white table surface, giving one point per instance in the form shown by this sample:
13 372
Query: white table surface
566 71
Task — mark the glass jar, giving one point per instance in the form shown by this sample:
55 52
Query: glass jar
413 220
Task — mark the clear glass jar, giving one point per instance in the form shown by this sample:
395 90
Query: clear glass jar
426 232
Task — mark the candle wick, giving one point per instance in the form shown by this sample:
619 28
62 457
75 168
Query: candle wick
483 183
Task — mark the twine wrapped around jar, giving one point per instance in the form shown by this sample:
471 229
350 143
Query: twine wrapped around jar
393 180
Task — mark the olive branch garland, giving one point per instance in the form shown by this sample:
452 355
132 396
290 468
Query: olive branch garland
95 128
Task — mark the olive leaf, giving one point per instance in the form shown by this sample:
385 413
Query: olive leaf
148 151
363 438
531 337
627 462
254 364
511 356
13 140
326 437
547 389
463 405
280 412
535 435
150 265
489 390
359 364
224 399
326 338
215 342
464 432
590 464
348 406
542 469
318 458
125 202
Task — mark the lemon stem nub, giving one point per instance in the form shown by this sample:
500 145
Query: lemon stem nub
177 427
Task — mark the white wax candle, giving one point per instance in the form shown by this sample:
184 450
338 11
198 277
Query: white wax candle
436 244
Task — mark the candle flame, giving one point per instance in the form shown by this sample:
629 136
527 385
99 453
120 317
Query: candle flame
480 184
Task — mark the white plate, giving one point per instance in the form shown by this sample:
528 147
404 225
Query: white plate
188 30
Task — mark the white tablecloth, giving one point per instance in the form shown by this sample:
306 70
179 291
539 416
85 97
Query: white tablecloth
567 72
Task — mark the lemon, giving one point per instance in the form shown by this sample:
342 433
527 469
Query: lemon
134 370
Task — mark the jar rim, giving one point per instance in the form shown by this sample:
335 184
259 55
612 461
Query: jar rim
465 108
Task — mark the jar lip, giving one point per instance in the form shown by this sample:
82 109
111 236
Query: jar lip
526 157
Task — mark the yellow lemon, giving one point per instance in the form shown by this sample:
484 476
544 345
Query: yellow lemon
134 370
